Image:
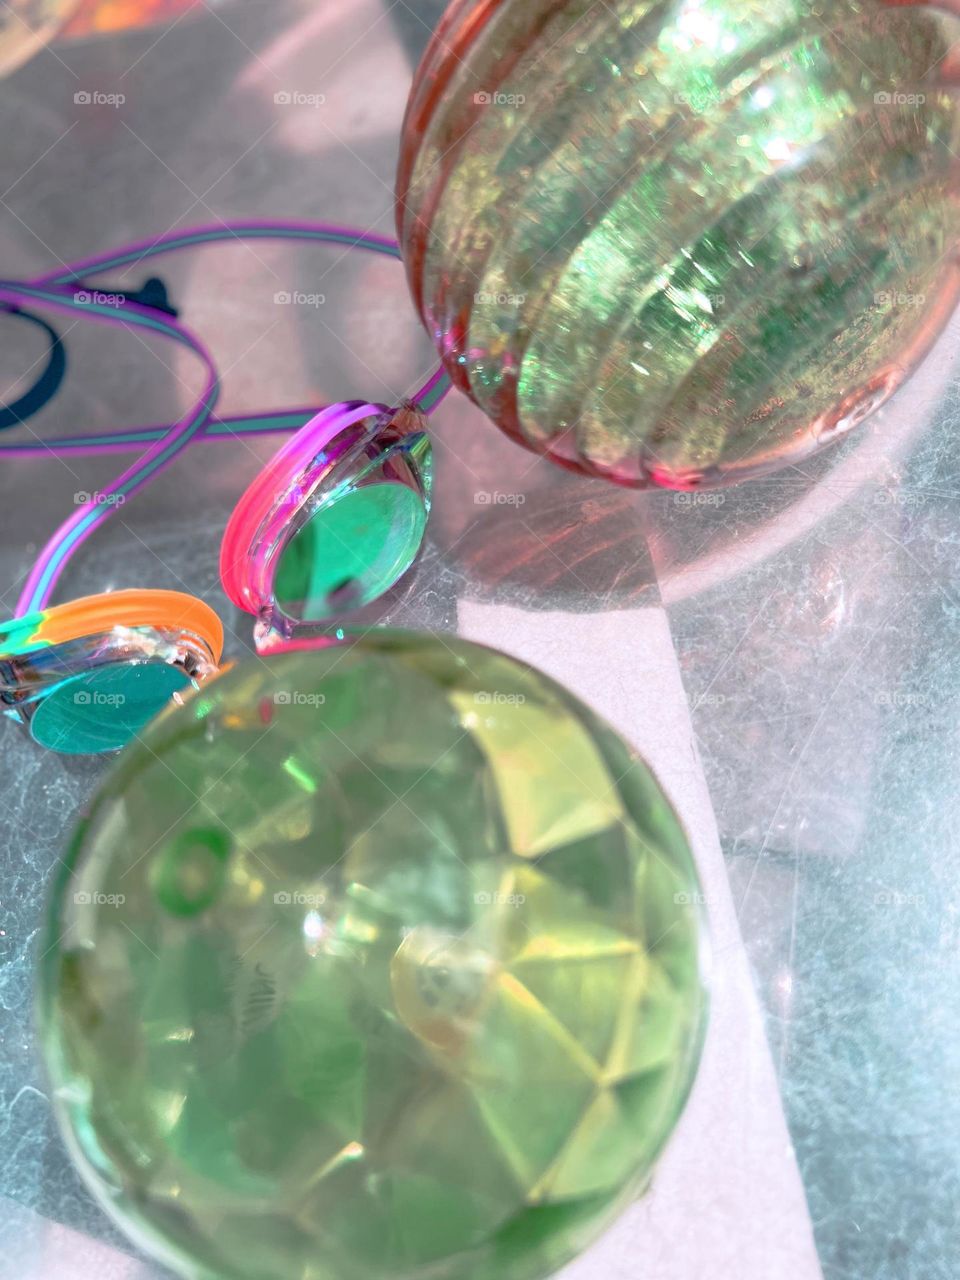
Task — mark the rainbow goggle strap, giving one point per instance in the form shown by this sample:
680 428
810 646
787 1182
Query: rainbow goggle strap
332 522
85 677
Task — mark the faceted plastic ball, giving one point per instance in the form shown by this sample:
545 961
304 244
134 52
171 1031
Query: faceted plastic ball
25 25
373 962
682 244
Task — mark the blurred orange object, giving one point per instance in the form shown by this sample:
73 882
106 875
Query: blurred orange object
96 17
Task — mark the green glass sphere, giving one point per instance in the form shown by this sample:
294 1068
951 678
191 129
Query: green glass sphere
682 244
380 960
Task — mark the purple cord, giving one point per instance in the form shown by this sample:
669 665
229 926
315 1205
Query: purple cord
215 431
57 289
78 527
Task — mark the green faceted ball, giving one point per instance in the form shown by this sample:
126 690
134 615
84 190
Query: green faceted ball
373 961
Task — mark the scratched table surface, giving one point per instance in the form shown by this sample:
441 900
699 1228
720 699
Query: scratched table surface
785 651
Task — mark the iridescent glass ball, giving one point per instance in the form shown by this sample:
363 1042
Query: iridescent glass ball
687 243
373 962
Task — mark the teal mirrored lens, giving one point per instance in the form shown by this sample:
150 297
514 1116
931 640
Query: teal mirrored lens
350 551
102 709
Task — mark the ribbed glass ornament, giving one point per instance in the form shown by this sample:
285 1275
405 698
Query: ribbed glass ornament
680 244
